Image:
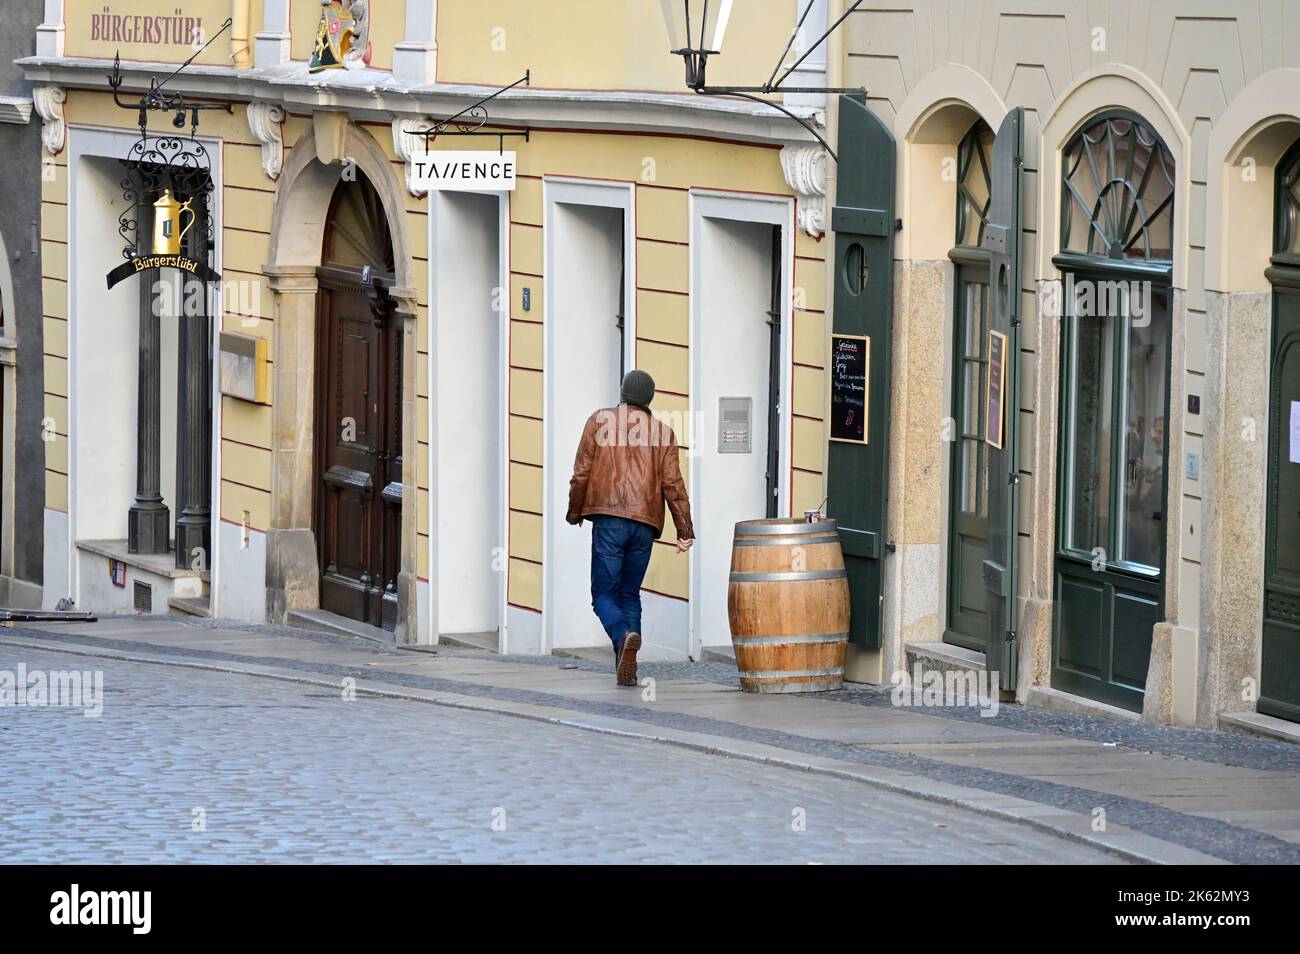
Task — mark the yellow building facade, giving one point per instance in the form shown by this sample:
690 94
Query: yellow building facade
647 227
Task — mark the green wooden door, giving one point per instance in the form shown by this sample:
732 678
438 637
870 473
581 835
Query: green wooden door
1002 240
1279 688
1116 260
857 480
1110 556
968 509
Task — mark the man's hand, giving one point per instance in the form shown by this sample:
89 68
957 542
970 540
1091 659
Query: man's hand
573 518
684 544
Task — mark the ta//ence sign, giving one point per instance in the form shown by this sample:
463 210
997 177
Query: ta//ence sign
458 171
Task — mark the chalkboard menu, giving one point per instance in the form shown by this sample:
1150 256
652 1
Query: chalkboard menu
850 378
997 386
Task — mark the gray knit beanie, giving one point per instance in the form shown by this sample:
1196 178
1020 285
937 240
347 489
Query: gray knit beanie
638 388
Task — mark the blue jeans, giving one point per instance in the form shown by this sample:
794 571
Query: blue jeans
620 553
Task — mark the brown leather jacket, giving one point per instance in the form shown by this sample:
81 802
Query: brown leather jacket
627 466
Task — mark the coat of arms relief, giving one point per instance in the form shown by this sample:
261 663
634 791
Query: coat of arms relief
343 37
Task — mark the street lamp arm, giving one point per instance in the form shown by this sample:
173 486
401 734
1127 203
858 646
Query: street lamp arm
727 91
793 33
795 65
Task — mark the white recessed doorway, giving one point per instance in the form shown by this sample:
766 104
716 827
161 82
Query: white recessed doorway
466 590
590 327
741 257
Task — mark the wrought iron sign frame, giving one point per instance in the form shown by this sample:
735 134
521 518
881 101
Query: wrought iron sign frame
181 165
471 120
176 163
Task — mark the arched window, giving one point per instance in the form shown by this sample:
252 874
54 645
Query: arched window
1118 191
356 231
974 184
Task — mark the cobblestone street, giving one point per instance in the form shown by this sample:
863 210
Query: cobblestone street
278 772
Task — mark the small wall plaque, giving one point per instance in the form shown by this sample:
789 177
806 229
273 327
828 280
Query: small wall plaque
997 385
243 367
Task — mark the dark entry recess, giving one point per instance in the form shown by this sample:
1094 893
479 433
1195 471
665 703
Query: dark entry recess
358 412
968 456
774 379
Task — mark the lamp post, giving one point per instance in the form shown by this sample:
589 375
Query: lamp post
696 30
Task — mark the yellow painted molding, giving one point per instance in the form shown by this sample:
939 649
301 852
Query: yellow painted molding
526 535
526 487
526 440
668 365
662 317
809 392
526 344
662 214
661 266
56 491
526 392
524 585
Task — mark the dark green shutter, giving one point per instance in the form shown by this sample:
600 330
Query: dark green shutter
857 480
1002 240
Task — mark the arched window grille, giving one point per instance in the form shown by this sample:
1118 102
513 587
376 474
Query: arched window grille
1287 235
974 184
1117 191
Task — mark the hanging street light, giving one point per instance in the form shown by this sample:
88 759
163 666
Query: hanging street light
707 23
696 29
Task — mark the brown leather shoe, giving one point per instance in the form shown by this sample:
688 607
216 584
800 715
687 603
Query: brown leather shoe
626 669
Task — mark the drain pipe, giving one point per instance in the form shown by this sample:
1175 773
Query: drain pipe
241 52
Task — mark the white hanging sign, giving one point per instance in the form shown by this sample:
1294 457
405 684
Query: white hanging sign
463 171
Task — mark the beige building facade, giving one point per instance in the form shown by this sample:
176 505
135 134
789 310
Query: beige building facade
1215 83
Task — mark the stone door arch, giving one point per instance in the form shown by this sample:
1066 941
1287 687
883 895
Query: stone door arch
331 149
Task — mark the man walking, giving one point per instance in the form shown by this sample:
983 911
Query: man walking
625 471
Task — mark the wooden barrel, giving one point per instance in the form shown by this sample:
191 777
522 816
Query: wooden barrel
788 603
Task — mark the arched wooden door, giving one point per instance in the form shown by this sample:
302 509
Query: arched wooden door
358 513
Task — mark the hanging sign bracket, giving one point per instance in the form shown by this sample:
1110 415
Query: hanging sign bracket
158 99
471 120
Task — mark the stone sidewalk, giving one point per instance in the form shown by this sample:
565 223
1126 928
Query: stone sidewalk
1146 793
